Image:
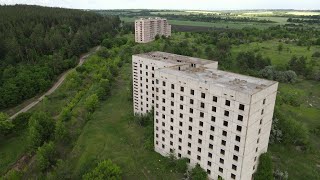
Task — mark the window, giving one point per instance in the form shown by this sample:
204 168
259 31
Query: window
238 138
189 152
180 123
192 92
223 142
225 123
239 128
190 128
191 110
201 114
264 101
233 176
220 169
203 95
241 107
172 86
190 119
180 132
209 163
221 161
211 137
259 131
235 157
234 167
198 157
240 117
189 144
181 98
260 121
227 103
191 101
199 149
172 112
163 83
179 147
199 141
181 115
213 119
182 89
171 135
258 140
181 107
208 171
171 120
171 143
172 95
222 152
226 113
210 155
201 123
214 109
171 128
214 99
212 128
202 105
189 136
236 148
224 133
200 132
172 103
262 111
210 146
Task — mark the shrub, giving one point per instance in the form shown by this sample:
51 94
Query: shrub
21 121
45 156
60 132
91 102
265 168
105 170
6 125
197 173
41 129
316 54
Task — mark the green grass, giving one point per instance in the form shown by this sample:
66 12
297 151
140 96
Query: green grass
111 135
270 49
11 149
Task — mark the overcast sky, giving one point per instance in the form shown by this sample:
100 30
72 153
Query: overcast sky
174 4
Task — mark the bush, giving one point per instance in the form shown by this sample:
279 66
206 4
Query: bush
6 125
45 156
316 54
60 132
12 175
269 72
197 173
265 168
21 121
105 170
41 129
91 102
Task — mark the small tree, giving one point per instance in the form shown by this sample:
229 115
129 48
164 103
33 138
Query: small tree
265 168
6 126
197 173
60 132
105 170
91 102
280 47
45 156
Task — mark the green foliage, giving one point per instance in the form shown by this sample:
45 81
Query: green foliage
45 156
41 129
178 165
271 73
316 54
265 168
197 173
42 43
21 121
250 60
147 121
12 175
6 125
91 102
299 65
105 170
61 132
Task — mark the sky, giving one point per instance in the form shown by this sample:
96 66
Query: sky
174 4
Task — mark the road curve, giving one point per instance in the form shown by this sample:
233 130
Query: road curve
55 86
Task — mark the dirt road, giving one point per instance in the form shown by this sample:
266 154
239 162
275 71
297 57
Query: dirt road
55 86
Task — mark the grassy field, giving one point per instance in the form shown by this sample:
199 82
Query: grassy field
270 49
111 135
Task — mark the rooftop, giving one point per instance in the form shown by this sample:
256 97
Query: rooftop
242 83
174 58
152 18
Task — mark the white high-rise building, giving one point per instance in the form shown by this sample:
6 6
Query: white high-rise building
146 29
217 119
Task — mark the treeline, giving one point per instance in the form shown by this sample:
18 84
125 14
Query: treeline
309 21
39 43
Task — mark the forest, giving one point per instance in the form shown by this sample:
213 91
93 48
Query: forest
38 43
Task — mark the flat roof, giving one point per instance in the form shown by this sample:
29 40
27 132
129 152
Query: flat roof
151 18
174 58
241 83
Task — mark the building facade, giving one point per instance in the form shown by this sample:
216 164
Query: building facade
146 29
217 119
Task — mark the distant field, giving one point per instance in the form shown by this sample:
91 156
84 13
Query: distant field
270 49
303 13
231 25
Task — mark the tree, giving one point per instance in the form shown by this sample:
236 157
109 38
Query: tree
6 125
45 156
41 129
91 102
60 132
105 170
280 47
197 173
265 168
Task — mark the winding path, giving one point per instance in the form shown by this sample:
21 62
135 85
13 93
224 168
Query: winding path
56 85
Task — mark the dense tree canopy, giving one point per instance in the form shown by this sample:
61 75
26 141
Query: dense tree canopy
39 43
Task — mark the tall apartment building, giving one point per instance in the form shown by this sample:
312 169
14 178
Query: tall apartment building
217 119
146 29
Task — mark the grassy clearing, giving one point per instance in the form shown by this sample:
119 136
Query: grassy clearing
270 49
111 135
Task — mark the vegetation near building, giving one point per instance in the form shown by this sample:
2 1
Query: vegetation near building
197 173
265 168
104 170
